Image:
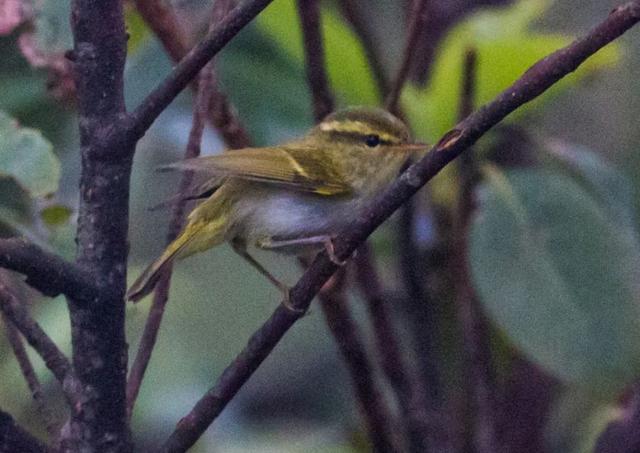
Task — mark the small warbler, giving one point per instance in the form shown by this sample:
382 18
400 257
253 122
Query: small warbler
292 198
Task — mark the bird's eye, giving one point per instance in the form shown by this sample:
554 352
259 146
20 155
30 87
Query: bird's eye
372 140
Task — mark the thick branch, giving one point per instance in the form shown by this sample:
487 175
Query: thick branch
142 117
534 82
46 272
97 327
14 438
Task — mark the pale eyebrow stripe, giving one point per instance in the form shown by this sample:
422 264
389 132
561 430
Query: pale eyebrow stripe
355 127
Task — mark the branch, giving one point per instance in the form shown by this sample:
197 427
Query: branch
14 438
373 407
46 272
417 18
164 24
412 396
161 293
29 374
351 10
137 123
478 377
99 423
309 13
534 82
53 358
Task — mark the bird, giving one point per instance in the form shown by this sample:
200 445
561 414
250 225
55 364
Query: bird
292 198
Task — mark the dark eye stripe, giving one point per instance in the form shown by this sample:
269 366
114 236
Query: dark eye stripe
356 138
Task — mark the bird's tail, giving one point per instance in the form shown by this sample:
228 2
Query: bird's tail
197 236
149 278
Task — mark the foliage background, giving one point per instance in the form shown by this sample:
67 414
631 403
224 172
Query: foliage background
300 399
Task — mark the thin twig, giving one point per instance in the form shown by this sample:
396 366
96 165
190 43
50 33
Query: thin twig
161 19
161 293
53 358
353 13
417 17
374 408
309 13
29 374
164 23
46 272
478 363
14 438
405 381
533 83
135 124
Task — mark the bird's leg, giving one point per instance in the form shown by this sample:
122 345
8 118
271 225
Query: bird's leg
240 247
325 240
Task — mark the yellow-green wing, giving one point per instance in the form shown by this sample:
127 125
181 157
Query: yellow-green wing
299 167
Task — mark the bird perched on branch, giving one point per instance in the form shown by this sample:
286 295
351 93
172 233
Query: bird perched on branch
292 198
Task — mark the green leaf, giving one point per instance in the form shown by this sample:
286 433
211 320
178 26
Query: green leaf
27 156
506 47
136 29
52 26
603 180
56 215
559 274
252 63
348 69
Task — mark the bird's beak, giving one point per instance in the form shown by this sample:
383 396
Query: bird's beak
412 147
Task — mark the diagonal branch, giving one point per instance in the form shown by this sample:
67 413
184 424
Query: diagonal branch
478 378
14 438
374 408
29 374
417 16
530 85
323 102
408 386
46 272
53 358
164 23
161 293
137 123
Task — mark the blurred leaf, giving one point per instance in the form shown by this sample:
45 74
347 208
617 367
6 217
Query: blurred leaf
506 46
27 156
136 29
607 183
576 422
560 277
52 26
55 215
266 86
15 207
347 65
